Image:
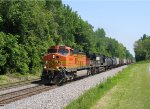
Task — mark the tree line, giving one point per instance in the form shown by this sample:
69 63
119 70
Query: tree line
29 28
142 48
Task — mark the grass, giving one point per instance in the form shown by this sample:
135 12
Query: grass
16 77
130 89
133 91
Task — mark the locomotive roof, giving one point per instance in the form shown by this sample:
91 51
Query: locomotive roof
60 47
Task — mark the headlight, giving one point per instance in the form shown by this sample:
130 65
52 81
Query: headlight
53 56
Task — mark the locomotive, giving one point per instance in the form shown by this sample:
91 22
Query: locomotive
62 63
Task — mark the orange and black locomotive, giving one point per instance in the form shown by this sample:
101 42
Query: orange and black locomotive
61 64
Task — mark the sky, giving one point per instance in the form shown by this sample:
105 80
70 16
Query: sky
124 20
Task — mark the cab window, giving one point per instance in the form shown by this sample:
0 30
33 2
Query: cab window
52 50
71 52
63 51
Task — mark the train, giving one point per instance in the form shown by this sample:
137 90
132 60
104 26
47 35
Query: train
62 63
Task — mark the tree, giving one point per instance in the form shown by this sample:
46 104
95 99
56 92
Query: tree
3 55
100 32
13 56
146 45
142 48
29 28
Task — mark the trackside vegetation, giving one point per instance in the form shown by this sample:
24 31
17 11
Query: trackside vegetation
127 90
142 48
17 77
29 27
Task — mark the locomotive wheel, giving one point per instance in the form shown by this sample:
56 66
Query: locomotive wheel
88 72
93 71
59 79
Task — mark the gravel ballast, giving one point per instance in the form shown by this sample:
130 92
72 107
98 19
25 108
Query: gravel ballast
59 97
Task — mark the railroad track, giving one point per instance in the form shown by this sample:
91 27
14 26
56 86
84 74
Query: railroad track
24 93
20 83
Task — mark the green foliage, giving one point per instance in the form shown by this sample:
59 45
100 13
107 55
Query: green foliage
23 18
13 56
3 55
142 48
111 48
29 28
100 32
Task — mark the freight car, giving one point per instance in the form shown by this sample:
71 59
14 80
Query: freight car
61 64
97 63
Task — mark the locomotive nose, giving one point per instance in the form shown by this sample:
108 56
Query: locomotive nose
52 62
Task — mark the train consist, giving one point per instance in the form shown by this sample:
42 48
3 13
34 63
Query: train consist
61 64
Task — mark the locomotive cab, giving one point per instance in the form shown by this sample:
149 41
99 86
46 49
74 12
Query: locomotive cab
56 57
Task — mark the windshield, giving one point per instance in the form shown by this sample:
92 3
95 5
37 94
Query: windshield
63 51
52 50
